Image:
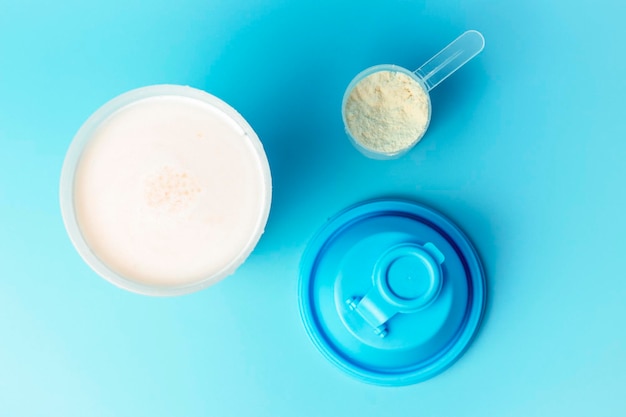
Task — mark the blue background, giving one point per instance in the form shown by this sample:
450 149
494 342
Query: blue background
526 153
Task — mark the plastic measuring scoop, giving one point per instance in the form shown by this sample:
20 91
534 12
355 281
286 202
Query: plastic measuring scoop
428 76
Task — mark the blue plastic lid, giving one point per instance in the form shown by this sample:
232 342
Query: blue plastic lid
391 292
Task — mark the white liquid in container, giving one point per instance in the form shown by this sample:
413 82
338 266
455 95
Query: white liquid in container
170 191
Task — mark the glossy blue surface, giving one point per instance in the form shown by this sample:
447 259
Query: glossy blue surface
525 151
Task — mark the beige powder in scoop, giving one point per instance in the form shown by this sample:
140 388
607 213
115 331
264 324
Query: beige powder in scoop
387 112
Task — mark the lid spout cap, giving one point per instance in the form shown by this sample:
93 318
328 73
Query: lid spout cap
407 278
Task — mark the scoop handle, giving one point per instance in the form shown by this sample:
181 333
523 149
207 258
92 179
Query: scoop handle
451 58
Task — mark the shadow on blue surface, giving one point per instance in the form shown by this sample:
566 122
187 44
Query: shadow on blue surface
299 118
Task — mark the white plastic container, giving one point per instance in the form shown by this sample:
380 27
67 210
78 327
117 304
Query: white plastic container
136 227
